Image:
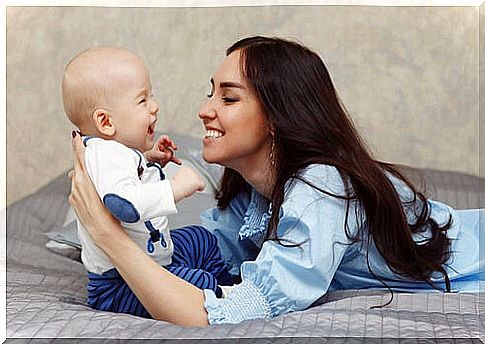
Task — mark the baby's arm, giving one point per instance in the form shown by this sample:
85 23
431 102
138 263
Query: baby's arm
162 152
185 183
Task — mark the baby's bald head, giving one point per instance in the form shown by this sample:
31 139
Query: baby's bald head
89 82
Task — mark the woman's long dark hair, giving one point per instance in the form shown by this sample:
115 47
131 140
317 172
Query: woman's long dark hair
311 126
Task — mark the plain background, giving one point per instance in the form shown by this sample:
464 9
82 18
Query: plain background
407 75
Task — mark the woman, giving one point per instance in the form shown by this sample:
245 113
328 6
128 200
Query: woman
303 208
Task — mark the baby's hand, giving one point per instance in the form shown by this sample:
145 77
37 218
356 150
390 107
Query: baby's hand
162 152
185 183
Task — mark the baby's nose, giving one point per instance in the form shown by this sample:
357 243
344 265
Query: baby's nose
154 107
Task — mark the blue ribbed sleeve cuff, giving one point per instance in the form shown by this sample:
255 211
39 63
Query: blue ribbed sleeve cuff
244 302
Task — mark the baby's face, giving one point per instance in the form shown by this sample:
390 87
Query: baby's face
134 109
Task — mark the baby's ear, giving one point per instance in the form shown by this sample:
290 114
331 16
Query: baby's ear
102 121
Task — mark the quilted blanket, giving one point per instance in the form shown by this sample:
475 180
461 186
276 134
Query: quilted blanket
46 290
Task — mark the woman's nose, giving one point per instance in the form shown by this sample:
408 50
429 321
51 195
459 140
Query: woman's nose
207 111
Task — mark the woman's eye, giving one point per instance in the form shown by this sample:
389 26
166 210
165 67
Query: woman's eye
229 100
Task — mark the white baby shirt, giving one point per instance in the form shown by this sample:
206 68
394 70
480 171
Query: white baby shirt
136 193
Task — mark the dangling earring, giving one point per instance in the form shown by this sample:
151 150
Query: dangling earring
272 157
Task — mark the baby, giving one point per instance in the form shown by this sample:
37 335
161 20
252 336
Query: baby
107 95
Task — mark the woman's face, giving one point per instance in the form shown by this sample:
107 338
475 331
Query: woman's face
237 133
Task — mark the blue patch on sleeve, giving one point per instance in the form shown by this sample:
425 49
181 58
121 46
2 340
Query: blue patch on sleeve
121 208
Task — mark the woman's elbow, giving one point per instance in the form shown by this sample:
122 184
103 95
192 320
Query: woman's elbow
187 320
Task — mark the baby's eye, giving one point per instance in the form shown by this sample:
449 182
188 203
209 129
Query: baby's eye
142 101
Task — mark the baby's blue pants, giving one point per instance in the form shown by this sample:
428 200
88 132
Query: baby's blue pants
196 259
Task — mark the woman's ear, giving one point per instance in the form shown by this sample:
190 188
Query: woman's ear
102 121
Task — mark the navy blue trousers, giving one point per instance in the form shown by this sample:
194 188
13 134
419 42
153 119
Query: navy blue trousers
196 259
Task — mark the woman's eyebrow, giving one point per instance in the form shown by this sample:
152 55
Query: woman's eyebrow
231 84
228 84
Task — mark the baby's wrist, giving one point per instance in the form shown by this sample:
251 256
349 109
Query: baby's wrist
148 156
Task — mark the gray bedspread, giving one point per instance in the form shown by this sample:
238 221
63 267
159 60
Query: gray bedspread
46 291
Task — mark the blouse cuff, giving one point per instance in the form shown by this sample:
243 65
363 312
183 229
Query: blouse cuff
244 302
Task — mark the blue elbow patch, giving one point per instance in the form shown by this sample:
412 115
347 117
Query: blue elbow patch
121 208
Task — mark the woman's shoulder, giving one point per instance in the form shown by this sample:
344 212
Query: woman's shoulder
316 185
318 176
319 170
331 179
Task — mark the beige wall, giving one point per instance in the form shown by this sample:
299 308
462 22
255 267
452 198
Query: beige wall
408 75
482 106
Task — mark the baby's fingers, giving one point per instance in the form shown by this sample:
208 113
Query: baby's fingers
176 160
167 142
173 145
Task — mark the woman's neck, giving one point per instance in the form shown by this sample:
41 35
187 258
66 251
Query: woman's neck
257 170
262 179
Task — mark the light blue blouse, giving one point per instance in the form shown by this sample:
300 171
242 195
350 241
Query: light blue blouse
278 279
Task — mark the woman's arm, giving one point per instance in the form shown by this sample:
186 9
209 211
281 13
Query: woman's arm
164 295
225 224
284 278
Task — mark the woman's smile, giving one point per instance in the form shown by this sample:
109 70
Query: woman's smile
212 134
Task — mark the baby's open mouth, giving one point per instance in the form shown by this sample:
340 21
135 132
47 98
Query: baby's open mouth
151 129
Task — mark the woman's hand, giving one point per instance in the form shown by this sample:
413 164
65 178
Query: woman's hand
85 200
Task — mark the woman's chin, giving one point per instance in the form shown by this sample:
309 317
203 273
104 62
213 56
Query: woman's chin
208 158
211 158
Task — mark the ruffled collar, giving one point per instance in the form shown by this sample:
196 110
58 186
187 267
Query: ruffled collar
256 218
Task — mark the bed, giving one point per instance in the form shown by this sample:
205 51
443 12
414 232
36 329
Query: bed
46 283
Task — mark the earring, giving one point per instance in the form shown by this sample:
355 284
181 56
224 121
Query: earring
272 157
